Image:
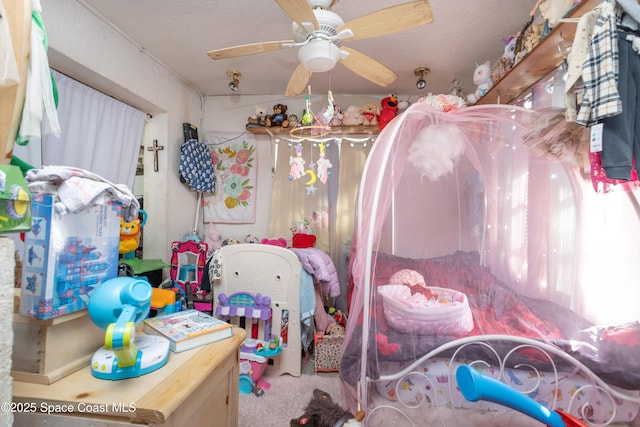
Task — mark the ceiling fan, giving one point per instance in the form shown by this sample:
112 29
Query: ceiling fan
319 34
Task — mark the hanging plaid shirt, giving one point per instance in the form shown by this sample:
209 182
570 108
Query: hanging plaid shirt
600 70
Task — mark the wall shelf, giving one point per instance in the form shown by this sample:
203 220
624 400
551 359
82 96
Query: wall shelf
543 58
337 131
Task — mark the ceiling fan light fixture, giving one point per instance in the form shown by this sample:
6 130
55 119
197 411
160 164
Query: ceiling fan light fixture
319 56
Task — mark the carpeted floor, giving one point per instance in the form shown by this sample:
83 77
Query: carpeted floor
286 398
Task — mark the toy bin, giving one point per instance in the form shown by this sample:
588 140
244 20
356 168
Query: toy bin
445 312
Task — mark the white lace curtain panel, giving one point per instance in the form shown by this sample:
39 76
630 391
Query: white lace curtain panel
99 134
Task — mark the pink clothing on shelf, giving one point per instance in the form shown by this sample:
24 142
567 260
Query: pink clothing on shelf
602 184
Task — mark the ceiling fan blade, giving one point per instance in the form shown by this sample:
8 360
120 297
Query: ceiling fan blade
299 11
298 81
248 49
368 67
390 20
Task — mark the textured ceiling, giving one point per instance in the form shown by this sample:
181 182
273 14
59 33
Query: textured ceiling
179 34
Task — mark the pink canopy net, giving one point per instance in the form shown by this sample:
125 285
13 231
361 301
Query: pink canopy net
479 222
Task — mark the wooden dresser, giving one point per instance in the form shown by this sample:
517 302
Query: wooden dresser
195 388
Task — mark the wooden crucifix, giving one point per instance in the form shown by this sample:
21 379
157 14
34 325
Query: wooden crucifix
155 150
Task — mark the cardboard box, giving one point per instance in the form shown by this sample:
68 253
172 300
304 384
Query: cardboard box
45 351
67 257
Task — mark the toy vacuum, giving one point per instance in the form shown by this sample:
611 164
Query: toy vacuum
474 386
117 306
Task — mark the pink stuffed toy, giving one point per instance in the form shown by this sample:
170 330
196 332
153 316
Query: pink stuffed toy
212 238
280 241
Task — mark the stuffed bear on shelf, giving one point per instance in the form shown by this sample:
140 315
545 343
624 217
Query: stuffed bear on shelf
353 116
279 116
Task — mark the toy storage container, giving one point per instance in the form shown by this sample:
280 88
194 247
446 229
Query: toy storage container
447 313
67 256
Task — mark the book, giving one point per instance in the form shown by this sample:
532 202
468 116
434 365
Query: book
188 329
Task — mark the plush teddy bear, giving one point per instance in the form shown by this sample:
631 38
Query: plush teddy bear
370 112
279 116
258 118
302 240
388 111
482 78
353 116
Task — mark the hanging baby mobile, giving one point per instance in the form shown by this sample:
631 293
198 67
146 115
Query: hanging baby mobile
318 171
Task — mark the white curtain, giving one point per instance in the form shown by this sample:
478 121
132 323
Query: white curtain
325 206
99 134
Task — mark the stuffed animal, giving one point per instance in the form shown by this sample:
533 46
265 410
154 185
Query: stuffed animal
212 238
482 78
322 411
456 88
293 120
370 112
279 116
403 105
250 238
337 117
302 240
509 54
130 233
353 116
388 111
279 241
258 118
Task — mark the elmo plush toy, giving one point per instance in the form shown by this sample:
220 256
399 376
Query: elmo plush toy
388 112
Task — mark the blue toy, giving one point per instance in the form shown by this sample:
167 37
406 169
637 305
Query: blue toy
117 306
474 386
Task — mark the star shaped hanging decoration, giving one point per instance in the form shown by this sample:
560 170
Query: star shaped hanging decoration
311 190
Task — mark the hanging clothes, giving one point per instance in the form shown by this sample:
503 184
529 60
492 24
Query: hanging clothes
600 70
621 133
196 168
575 60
